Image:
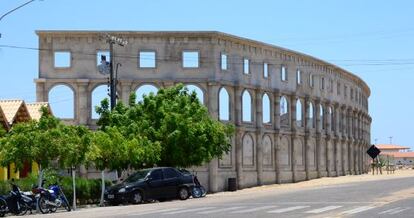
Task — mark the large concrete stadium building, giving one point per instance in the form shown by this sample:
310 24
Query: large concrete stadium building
296 117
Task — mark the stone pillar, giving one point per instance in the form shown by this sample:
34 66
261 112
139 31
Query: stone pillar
41 92
125 91
294 136
344 137
276 125
308 127
239 135
336 141
82 96
328 120
259 135
213 110
318 137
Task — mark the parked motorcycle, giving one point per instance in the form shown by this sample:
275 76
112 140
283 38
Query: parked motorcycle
15 202
198 190
51 199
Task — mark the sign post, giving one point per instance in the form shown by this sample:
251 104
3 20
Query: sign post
373 152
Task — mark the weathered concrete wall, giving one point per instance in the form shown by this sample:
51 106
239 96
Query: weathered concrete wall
331 142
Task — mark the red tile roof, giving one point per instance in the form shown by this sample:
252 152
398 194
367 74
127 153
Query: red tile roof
401 154
391 147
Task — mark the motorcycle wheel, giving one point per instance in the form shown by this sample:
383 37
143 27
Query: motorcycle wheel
24 207
66 203
43 207
3 207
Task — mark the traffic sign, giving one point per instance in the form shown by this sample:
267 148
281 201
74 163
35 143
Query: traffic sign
373 152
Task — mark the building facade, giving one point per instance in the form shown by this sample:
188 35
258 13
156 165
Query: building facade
296 117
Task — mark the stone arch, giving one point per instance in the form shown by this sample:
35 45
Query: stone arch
246 106
248 150
198 90
224 104
61 97
284 111
284 152
99 92
267 151
266 109
299 113
145 89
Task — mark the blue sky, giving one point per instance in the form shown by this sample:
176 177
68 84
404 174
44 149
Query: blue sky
373 39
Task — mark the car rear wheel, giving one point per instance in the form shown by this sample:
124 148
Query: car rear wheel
137 197
183 193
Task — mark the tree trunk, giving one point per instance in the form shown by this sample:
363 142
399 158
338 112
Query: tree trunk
103 189
74 187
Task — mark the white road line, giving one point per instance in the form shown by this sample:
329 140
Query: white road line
398 211
287 209
357 210
154 211
253 209
390 210
219 210
189 210
323 209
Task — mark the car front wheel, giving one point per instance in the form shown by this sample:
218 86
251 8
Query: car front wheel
183 193
137 197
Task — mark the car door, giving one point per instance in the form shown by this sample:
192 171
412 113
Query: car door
155 184
170 182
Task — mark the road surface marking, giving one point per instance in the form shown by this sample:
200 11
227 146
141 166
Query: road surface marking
287 209
253 209
189 210
154 211
220 210
323 209
358 210
390 210
398 211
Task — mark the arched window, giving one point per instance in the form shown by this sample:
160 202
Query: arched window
98 94
311 117
198 91
224 104
321 116
284 111
246 106
61 100
145 90
299 119
266 108
331 117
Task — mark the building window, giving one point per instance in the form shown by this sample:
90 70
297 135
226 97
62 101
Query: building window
311 80
62 59
283 73
246 66
224 61
338 88
265 70
103 58
322 83
345 91
331 85
190 59
147 59
298 76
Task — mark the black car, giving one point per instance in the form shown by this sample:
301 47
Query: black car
151 184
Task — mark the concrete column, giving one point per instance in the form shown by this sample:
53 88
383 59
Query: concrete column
259 135
213 110
336 140
293 137
308 127
41 92
344 137
276 125
125 91
239 134
83 96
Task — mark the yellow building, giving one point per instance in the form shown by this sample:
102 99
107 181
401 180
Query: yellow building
12 112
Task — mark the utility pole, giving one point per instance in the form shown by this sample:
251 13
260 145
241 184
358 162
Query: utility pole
112 76
9 12
390 140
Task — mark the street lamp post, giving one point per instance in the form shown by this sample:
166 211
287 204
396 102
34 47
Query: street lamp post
11 11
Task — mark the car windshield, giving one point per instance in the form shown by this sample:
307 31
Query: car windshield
137 176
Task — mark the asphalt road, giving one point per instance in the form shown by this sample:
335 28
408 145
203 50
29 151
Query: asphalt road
383 198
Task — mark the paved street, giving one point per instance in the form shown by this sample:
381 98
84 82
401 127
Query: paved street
382 198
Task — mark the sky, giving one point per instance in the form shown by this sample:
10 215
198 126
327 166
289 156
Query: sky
372 39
